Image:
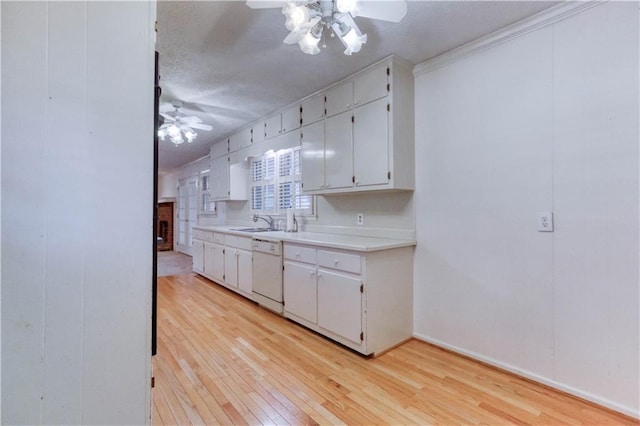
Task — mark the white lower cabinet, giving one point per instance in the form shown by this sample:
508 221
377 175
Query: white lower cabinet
340 304
197 251
238 263
362 300
214 261
300 290
224 258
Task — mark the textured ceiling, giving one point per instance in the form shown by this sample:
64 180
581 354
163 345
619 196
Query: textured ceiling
228 64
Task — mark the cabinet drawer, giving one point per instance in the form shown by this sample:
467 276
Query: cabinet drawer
238 242
199 234
340 261
299 253
218 238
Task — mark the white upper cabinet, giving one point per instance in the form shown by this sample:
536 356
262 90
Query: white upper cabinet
338 152
228 180
371 144
312 109
282 122
312 156
372 84
240 140
291 118
339 98
368 134
219 149
257 132
272 126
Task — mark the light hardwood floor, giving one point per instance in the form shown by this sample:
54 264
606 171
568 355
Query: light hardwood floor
224 360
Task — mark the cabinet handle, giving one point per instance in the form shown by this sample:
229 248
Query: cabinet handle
335 262
319 275
355 102
312 274
348 105
297 255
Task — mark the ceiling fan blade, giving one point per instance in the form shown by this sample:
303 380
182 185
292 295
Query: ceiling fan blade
166 107
200 126
167 117
191 119
291 38
265 4
386 10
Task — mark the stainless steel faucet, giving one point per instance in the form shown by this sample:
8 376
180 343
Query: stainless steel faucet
266 218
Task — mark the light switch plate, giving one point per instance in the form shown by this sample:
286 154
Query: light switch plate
545 221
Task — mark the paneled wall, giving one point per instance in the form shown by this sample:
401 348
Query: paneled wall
77 183
545 122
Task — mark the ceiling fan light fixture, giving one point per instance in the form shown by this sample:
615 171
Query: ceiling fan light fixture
309 43
296 16
348 6
190 135
353 41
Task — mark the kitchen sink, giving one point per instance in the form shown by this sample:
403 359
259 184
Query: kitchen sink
252 229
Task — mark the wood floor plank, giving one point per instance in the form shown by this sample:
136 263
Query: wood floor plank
224 360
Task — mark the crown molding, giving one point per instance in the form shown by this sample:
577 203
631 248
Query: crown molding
506 34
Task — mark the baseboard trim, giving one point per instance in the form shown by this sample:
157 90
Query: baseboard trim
571 391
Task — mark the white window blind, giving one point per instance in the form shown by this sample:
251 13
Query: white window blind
264 198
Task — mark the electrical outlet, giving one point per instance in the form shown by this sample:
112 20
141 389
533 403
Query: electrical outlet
545 221
360 219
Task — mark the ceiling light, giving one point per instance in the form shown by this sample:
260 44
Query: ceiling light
308 19
179 127
307 22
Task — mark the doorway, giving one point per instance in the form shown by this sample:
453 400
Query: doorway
165 226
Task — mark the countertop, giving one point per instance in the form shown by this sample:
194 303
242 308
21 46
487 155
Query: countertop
338 241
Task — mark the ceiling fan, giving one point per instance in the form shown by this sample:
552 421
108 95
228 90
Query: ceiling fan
307 19
177 126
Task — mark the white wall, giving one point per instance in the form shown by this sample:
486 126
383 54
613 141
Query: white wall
547 121
77 238
167 187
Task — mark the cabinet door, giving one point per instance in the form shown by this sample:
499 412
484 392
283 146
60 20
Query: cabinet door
312 157
219 149
231 266
220 177
272 126
300 291
370 85
371 144
245 271
291 119
313 109
214 261
339 98
258 132
240 140
338 151
198 256
340 304
217 259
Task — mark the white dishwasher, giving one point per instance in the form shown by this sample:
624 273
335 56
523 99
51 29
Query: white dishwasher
267 273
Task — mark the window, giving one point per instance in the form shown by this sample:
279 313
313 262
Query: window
276 184
207 205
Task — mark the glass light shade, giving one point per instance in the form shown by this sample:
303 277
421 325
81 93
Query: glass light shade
296 16
309 44
177 139
162 133
173 131
353 41
191 136
347 6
